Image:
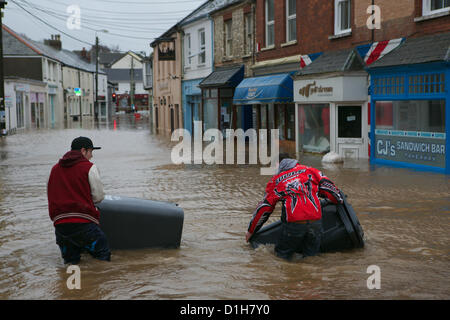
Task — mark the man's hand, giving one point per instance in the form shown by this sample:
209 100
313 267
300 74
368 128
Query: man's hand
248 235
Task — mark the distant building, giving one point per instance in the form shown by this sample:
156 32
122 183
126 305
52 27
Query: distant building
127 74
69 81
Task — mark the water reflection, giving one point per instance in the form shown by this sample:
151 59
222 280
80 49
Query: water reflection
404 213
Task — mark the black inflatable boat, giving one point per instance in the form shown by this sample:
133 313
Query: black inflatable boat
341 229
131 223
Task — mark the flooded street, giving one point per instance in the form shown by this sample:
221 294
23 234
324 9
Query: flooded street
405 216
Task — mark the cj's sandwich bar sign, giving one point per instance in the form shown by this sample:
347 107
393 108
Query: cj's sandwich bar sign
425 148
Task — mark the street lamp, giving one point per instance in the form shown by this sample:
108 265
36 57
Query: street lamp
2 84
96 73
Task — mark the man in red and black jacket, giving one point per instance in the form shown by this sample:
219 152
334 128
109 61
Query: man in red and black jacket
74 186
298 187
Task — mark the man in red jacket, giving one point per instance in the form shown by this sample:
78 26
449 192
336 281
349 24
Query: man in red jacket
297 187
74 186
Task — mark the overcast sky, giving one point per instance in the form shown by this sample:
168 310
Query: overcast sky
131 24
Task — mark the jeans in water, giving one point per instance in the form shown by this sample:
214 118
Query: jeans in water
304 238
75 238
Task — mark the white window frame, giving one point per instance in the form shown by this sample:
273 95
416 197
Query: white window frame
338 18
270 23
188 43
201 47
228 38
426 8
288 18
248 21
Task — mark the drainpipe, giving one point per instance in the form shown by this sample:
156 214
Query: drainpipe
254 34
79 97
373 30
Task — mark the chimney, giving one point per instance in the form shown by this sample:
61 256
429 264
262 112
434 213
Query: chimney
54 42
84 55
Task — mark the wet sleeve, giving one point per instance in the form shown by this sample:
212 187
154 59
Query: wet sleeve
96 185
328 189
264 208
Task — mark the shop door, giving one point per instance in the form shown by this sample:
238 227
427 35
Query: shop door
350 142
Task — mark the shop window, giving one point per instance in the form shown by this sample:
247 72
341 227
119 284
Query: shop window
384 114
314 128
342 16
290 122
270 23
225 115
210 114
264 116
285 121
281 120
411 115
20 110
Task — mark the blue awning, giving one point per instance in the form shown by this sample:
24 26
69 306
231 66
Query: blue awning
276 88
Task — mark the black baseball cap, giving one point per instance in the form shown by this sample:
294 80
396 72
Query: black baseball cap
83 142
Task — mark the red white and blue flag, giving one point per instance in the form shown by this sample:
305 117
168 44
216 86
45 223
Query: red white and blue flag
307 59
375 51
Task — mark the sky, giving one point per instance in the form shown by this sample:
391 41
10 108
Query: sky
130 24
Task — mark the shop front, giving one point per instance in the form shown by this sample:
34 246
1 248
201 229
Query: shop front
270 101
331 97
412 105
411 112
192 98
332 114
217 98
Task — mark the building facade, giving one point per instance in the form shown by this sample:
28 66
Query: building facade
69 80
25 104
167 57
233 57
197 62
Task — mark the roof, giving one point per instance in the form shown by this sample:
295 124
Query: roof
122 75
14 45
21 45
334 61
205 9
107 57
224 77
430 48
134 54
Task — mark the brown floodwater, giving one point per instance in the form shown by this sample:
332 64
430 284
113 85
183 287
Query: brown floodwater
405 215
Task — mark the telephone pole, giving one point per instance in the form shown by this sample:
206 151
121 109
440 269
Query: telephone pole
132 84
96 80
2 80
